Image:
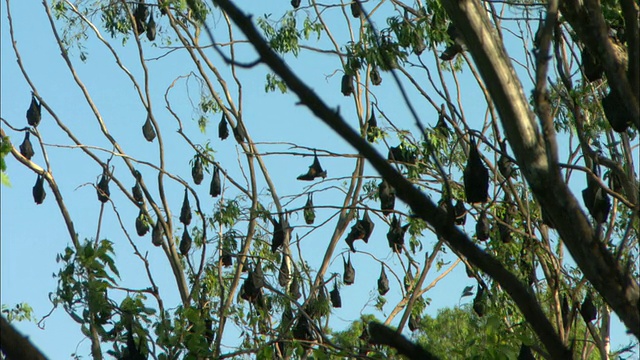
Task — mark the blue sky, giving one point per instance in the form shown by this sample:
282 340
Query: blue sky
31 235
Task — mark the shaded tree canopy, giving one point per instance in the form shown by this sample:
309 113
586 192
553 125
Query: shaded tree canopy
501 138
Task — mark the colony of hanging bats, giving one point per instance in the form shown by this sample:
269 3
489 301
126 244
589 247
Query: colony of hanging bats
475 181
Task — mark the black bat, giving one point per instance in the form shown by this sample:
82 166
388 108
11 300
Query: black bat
142 226
414 322
215 188
592 68
26 149
349 275
476 177
387 196
503 229
372 126
34 112
457 45
460 213
483 228
140 16
151 28
226 259
185 211
614 112
525 353
102 189
223 128
315 170
148 131
185 242
408 280
588 310
283 273
280 232
295 3
136 191
334 295
294 288
398 154
38 190
595 198
479 306
197 171
441 127
258 276
505 165
356 12
346 86
308 212
395 236
239 132
383 282
375 77
157 233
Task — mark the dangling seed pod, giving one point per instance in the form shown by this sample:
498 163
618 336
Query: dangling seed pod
334 294
157 233
347 85
308 212
185 211
197 171
151 28
34 113
26 149
349 275
142 225
136 192
38 190
185 242
223 128
102 189
148 131
383 282
482 227
356 12
216 188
